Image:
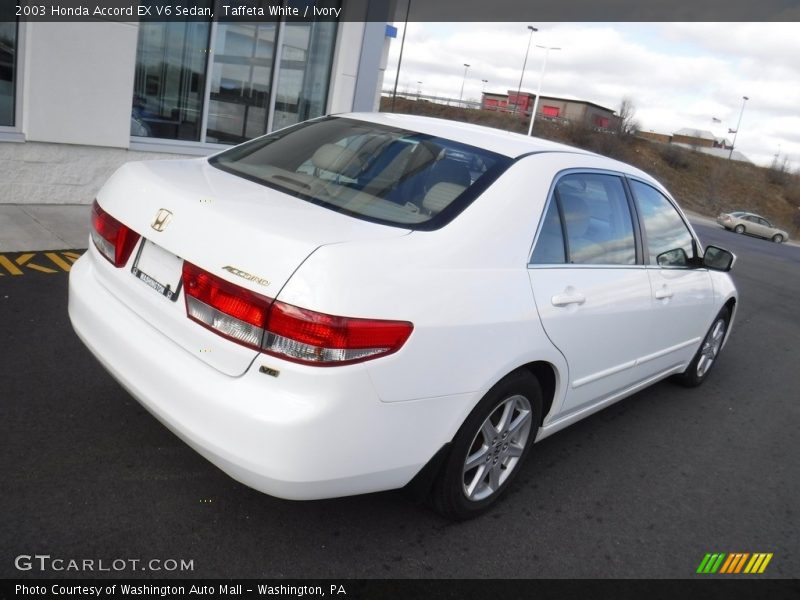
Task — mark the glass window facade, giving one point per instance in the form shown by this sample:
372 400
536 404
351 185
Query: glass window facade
8 66
304 77
241 81
169 84
214 83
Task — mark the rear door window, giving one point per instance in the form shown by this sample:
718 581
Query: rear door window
588 221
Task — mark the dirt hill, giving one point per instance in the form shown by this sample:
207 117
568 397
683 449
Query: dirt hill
702 183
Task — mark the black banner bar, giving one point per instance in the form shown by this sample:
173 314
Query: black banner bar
707 588
419 10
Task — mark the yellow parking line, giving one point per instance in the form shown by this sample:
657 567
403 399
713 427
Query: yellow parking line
13 264
9 266
23 260
60 262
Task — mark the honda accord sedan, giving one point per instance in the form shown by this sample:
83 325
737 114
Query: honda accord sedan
367 302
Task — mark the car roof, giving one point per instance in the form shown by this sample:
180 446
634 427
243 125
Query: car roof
495 140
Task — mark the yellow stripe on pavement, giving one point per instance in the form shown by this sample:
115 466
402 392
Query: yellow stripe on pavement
16 264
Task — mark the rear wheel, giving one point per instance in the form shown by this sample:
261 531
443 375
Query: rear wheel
490 447
777 238
697 371
739 229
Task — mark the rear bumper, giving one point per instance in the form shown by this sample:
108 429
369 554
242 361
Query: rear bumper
307 433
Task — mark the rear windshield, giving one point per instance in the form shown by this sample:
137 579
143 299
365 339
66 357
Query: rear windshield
373 172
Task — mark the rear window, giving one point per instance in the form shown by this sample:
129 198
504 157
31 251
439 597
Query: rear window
369 171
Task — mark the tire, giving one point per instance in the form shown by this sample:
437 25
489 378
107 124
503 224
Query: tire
739 229
489 448
697 371
777 238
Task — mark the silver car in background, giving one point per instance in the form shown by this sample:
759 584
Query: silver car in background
752 224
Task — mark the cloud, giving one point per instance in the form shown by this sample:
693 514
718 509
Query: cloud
678 74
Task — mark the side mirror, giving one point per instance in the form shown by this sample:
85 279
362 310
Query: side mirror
718 259
673 258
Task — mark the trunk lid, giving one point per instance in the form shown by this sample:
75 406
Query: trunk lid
248 234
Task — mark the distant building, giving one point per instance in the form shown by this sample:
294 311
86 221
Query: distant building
699 137
663 138
565 110
696 139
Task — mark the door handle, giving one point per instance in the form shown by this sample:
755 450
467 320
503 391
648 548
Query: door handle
664 293
567 298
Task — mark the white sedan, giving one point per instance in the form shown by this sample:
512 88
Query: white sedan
371 301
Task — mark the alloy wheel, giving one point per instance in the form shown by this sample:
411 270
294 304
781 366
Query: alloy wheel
497 447
711 347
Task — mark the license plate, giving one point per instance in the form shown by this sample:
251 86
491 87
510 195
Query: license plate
159 269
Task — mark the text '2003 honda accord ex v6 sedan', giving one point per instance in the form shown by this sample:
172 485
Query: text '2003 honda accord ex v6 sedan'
371 301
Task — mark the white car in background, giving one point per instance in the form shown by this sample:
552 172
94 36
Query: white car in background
370 301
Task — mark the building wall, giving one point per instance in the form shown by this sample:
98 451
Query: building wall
47 173
79 82
692 141
76 95
656 137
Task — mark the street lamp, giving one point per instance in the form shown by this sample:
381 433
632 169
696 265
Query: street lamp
736 131
461 94
419 89
539 88
484 81
524 63
400 59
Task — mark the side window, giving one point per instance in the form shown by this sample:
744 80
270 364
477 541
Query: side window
591 212
663 226
550 245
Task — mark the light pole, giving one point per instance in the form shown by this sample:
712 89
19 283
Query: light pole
461 94
419 89
736 132
484 82
539 87
400 59
524 64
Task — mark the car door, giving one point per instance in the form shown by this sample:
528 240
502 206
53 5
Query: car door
765 229
592 294
683 298
754 226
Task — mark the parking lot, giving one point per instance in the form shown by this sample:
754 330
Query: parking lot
644 488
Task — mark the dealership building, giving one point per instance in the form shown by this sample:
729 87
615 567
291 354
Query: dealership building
78 99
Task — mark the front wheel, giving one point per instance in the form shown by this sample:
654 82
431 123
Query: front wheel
739 229
777 238
490 447
698 370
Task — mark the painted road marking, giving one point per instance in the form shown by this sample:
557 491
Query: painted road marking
41 262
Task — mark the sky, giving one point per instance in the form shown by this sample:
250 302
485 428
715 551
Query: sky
676 74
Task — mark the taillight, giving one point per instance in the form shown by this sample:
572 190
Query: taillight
114 240
227 309
283 330
316 338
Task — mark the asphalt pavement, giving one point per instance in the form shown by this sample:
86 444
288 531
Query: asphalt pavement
643 489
